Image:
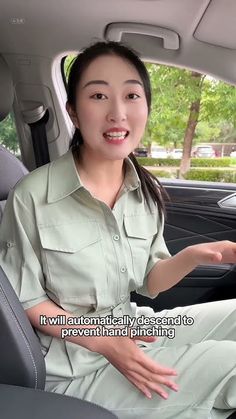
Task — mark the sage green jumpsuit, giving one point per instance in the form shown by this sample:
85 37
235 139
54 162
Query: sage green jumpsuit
58 242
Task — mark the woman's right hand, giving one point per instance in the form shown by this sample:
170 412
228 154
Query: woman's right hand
122 352
142 371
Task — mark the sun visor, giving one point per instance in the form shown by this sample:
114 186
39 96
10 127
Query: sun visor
219 16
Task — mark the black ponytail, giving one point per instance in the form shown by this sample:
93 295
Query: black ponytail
151 187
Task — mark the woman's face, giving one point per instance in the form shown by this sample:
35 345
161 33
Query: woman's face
111 109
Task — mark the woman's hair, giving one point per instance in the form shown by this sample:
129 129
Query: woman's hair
151 187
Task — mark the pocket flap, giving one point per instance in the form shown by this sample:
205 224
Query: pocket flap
140 226
69 238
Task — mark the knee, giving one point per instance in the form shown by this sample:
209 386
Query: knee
224 354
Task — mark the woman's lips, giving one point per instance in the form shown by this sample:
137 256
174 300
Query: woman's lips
115 136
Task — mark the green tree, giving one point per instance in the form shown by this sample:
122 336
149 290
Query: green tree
67 63
193 117
188 108
175 108
8 135
167 120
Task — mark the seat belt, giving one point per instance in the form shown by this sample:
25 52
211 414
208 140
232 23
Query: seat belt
37 118
39 140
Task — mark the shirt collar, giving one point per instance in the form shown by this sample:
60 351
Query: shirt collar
132 181
63 178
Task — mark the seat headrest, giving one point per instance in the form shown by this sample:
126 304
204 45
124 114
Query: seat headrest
6 89
11 170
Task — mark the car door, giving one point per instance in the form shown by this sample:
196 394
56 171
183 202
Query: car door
198 212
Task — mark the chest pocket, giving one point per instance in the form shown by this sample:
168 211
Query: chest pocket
140 230
71 255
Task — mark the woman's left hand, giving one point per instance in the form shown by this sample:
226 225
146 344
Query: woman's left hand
213 253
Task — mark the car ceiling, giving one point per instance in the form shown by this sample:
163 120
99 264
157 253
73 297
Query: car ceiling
206 29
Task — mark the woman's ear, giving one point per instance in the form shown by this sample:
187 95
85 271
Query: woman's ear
72 115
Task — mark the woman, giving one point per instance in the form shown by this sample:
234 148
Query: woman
84 231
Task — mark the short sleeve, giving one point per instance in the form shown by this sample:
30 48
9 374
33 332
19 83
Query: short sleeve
158 251
20 251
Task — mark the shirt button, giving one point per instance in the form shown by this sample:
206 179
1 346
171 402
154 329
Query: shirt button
116 237
123 269
9 244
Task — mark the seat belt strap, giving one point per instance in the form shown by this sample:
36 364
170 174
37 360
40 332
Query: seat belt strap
37 117
39 140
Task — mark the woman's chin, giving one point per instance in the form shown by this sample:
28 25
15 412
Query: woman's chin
117 153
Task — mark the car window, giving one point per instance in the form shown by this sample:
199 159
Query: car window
192 111
8 135
65 66
183 99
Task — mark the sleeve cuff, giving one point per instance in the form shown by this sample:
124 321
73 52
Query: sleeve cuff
32 303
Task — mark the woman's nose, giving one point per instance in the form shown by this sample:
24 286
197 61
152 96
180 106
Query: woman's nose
116 112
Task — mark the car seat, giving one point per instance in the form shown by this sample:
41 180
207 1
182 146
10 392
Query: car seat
11 170
22 367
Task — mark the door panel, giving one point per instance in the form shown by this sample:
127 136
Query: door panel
195 216
183 229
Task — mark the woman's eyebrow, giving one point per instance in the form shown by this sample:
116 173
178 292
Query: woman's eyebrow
131 81
95 82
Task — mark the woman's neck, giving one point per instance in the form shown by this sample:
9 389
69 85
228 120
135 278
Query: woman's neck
99 172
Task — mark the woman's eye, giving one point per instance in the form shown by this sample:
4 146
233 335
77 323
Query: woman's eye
98 96
133 96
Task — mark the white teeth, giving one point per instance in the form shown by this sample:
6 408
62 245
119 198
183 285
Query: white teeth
116 137
120 134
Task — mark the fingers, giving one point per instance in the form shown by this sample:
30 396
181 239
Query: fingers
148 339
164 381
218 252
157 389
153 367
158 376
151 376
144 338
151 383
215 252
139 369
140 387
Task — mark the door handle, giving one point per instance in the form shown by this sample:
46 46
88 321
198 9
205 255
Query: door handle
229 202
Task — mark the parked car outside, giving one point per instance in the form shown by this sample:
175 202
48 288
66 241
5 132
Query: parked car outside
203 151
159 152
177 153
141 152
